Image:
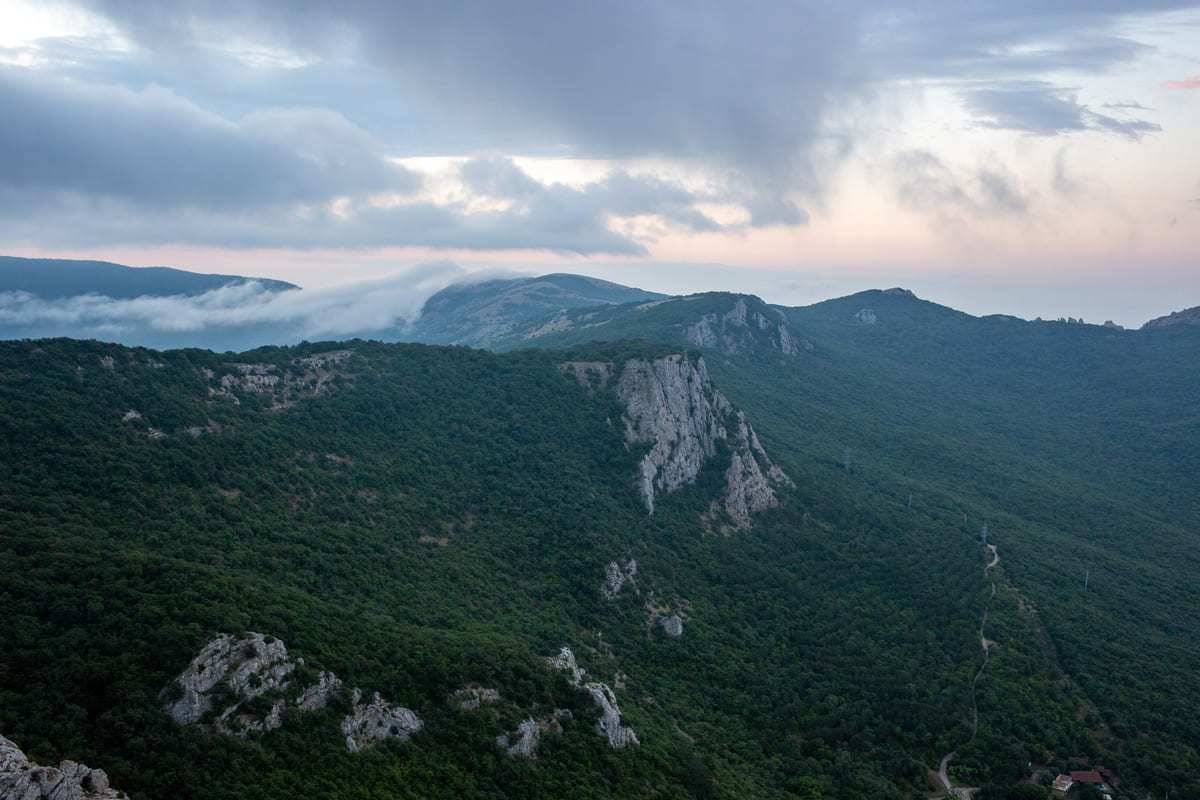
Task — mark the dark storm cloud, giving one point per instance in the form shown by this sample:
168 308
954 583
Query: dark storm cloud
1039 108
745 93
747 83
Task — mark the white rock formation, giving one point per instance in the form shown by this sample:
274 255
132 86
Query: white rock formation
22 780
616 576
527 736
250 666
610 716
866 316
246 667
565 660
671 404
734 331
317 696
672 625
376 721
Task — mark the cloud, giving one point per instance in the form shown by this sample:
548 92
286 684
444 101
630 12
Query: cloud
1192 82
1004 40
530 215
156 149
241 315
925 183
1039 108
282 122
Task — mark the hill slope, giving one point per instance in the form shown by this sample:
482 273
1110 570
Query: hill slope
481 314
1076 444
435 523
55 278
421 521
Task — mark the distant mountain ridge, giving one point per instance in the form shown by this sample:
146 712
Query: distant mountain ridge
483 314
1188 316
58 278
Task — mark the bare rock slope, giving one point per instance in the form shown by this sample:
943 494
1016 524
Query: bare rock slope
670 403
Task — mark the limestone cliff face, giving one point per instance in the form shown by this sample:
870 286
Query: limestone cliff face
231 671
671 404
22 780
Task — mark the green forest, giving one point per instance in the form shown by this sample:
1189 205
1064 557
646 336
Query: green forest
420 519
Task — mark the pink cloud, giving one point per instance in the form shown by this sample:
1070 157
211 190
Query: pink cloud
1187 83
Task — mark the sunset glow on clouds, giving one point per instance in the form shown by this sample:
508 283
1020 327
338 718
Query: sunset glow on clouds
804 149
1187 83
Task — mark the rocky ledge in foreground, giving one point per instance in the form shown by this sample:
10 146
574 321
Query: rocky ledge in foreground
22 780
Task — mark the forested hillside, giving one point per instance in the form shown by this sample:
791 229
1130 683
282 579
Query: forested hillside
424 521
1076 444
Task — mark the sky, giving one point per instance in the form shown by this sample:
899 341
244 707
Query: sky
1031 158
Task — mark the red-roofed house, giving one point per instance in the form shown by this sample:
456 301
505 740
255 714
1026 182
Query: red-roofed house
1090 776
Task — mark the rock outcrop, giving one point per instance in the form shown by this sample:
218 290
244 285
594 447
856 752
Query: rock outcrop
616 576
248 667
527 738
231 671
609 723
671 404
1189 316
741 329
376 721
22 780
308 377
672 625
668 616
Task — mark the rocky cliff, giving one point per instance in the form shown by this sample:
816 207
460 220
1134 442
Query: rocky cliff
670 404
22 780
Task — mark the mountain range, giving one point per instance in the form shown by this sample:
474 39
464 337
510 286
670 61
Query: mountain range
690 546
167 308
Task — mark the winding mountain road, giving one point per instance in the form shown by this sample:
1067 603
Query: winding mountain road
943 774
